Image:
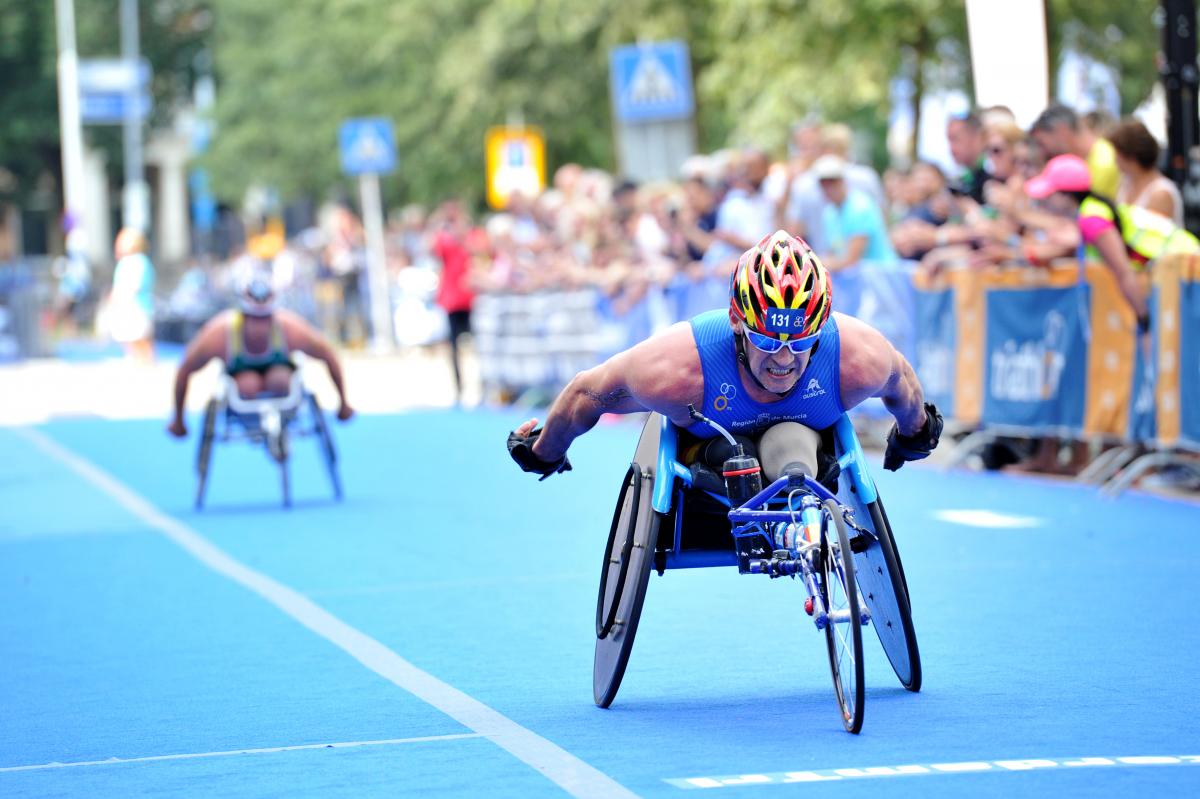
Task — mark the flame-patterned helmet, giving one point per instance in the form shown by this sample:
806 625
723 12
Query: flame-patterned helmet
780 288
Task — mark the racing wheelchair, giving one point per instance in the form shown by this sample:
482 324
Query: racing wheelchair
839 544
269 420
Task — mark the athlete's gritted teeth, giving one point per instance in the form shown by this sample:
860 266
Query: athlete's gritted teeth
777 372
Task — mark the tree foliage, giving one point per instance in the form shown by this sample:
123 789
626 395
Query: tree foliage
443 72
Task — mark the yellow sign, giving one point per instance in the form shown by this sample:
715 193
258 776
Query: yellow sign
516 163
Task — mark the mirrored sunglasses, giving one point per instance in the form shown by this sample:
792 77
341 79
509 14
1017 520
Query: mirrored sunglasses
772 345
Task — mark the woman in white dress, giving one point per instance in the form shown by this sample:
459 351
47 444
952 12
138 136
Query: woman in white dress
131 302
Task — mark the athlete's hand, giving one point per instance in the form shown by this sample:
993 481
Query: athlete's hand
177 428
902 448
344 412
520 447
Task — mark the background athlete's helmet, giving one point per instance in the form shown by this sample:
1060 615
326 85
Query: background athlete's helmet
258 296
781 272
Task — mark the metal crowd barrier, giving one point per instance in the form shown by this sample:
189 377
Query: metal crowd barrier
24 294
1055 352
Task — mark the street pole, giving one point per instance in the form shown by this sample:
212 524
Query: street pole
70 127
135 211
381 318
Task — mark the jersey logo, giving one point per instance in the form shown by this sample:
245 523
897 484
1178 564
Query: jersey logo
813 389
721 401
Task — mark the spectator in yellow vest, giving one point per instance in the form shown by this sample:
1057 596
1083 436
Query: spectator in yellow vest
1058 131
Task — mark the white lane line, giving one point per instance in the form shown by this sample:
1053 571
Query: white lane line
112 761
974 767
558 765
988 519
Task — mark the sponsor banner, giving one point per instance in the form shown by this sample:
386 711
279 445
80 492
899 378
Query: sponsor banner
1141 394
936 345
1035 358
1189 361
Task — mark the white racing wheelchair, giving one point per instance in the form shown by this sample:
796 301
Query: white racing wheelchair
272 421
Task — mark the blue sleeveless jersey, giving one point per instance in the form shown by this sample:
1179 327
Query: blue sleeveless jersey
815 402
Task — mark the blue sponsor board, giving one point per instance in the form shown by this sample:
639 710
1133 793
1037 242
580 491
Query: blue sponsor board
935 347
1142 416
1035 358
1189 362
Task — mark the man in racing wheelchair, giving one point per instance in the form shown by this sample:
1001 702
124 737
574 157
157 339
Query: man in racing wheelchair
778 354
255 342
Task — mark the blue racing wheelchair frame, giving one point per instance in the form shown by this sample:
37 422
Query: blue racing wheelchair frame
793 527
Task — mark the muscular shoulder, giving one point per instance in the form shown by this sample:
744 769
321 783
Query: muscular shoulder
663 372
215 331
867 360
297 332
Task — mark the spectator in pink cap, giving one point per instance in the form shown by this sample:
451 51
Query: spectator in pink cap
1127 238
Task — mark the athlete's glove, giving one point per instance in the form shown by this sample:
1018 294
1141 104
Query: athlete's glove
521 449
902 448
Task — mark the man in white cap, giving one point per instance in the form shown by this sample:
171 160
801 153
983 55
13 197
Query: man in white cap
853 222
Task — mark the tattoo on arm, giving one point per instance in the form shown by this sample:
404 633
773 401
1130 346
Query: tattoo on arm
609 399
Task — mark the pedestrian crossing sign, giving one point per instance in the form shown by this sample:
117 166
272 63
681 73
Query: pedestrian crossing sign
367 145
651 82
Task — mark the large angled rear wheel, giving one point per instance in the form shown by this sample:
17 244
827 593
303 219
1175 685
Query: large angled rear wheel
208 432
625 572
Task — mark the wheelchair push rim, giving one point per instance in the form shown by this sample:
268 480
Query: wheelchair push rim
843 632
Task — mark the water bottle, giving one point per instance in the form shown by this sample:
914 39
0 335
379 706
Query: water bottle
743 478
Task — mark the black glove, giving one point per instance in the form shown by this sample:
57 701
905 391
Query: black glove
902 448
828 471
521 449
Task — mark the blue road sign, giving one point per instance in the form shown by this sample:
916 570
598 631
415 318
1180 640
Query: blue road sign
651 82
108 108
367 145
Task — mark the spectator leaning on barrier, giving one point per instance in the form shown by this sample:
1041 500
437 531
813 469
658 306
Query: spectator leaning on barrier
1058 131
1125 237
1141 182
853 222
964 133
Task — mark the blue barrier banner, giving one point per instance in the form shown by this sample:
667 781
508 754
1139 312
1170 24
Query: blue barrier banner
936 344
1189 362
1142 406
882 295
1035 357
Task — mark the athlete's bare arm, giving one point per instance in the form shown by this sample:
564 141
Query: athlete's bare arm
209 343
872 367
660 374
300 335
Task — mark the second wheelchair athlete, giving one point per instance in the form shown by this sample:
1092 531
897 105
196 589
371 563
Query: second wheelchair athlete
254 341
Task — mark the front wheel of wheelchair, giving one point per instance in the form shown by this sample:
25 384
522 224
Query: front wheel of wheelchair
208 432
278 446
625 572
843 631
328 452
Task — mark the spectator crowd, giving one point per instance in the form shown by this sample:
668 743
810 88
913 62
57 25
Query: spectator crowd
629 244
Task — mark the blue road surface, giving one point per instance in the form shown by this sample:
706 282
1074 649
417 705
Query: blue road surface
432 635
